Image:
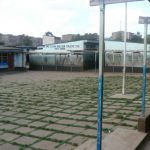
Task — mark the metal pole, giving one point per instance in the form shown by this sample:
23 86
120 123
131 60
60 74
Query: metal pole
132 61
95 61
144 70
22 61
42 62
125 48
55 63
100 79
113 61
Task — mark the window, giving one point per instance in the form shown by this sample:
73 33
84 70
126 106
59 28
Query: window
3 60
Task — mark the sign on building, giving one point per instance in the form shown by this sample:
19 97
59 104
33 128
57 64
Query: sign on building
69 46
94 2
144 20
97 2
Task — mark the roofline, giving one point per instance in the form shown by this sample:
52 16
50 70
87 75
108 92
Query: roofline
85 41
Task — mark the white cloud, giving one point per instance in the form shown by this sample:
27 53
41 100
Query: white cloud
34 17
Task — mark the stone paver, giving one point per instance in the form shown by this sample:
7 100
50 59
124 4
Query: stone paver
8 136
8 147
24 129
22 121
47 145
90 132
41 133
8 126
78 140
55 126
9 113
66 121
35 117
66 147
124 96
37 124
73 129
61 136
42 107
25 140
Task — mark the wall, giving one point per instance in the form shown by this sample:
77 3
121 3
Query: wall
19 60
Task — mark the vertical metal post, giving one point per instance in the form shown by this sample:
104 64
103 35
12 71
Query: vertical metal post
95 61
113 62
100 79
144 69
22 61
125 48
55 63
132 61
42 61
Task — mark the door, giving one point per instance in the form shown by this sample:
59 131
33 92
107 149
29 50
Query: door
10 61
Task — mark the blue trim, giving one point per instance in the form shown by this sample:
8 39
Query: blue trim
143 89
99 113
3 65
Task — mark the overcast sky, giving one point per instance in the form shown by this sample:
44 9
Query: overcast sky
35 17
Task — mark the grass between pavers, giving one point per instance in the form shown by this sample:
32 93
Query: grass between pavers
67 100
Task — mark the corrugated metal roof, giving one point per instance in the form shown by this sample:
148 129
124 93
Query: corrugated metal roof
4 49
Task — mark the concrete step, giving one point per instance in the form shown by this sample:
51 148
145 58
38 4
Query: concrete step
120 139
145 145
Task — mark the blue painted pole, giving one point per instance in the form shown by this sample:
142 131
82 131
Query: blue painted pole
101 77
100 108
144 69
143 89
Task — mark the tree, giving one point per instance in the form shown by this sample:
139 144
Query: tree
49 33
148 39
27 41
86 36
136 39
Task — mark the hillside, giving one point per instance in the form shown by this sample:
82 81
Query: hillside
19 40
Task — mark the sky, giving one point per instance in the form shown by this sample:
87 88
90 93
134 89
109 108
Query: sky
35 17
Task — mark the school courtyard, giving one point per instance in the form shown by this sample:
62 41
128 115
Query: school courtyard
42 110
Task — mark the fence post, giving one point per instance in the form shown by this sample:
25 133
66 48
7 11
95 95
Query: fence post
132 61
113 61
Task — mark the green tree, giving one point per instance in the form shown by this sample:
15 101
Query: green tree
136 39
148 39
27 41
86 36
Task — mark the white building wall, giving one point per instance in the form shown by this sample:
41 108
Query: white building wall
48 40
51 40
69 46
19 60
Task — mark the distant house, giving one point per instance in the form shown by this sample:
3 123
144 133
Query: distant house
68 37
27 49
49 38
75 55
119 36
12 58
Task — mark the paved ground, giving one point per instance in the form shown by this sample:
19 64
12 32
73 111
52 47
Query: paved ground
58 110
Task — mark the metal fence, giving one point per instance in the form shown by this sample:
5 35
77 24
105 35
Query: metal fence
78 61
87 60
134 60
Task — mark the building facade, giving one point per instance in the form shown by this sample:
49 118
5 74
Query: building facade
12 58
49 38
73 56
68 37
119 36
